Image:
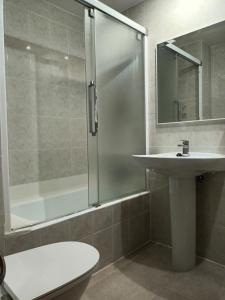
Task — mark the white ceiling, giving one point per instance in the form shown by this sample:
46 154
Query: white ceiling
121 5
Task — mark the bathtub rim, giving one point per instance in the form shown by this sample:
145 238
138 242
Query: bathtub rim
43 201
49 196
45 224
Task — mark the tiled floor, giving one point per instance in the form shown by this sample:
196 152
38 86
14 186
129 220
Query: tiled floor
148 275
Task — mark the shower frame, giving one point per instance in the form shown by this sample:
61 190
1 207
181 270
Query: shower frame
187 56
92 5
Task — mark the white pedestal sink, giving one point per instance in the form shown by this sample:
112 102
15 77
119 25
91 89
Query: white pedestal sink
182 190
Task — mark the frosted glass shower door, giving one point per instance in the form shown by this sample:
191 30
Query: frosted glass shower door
121 107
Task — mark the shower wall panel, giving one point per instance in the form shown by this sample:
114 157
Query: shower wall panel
46 97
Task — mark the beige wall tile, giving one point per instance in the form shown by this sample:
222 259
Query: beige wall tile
82 226
22 131
76 70
17 20
79 130
53 133
74 7
55 233
77 97
59 68
139 231
76 43
59 38
102 218
160 216
22 242
21 95
120 239
103 242
79 161
39 30
23 166
210 240
69 18
19 64
54 164
120 212
53 100
138 206
39 7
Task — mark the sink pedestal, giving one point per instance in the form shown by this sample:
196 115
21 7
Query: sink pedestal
182 171
182 192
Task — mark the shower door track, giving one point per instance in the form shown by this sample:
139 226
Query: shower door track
113 13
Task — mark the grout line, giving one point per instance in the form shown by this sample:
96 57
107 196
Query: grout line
132 253
197 256
210 261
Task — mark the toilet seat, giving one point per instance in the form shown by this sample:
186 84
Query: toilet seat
40 271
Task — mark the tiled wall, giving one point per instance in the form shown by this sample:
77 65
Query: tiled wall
115 230
46 97
188 83
213 57
206 79
167 20
217 52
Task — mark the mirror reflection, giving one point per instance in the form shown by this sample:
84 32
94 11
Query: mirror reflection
191 76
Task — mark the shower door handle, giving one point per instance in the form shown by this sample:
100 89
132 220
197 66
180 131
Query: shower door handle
93 115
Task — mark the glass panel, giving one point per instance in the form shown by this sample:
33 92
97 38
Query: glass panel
46 107
121 107
188 90
178 87
168 105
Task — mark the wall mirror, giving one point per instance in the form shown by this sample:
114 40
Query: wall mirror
191 76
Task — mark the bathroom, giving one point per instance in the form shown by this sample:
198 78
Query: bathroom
96 100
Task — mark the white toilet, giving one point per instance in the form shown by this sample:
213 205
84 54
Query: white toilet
57 271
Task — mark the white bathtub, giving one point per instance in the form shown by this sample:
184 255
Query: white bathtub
30 205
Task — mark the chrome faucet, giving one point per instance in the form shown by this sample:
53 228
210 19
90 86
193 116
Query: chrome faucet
185 147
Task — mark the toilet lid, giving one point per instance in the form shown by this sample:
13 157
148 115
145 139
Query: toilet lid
33 273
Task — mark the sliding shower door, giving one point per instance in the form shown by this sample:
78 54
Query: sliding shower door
119 52
74 111
46 109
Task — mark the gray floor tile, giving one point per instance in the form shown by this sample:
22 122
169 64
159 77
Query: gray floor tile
147 274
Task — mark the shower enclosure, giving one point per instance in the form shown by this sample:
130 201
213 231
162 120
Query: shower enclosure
72 107
179 84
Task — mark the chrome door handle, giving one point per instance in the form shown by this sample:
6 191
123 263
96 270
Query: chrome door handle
93 114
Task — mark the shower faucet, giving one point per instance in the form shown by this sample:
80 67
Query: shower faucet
185 148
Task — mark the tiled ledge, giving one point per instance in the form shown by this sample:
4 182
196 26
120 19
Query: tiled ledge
115 229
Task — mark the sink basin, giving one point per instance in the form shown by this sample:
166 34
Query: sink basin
170 164
182 192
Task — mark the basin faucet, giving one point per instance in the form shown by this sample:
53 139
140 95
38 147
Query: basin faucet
185 147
